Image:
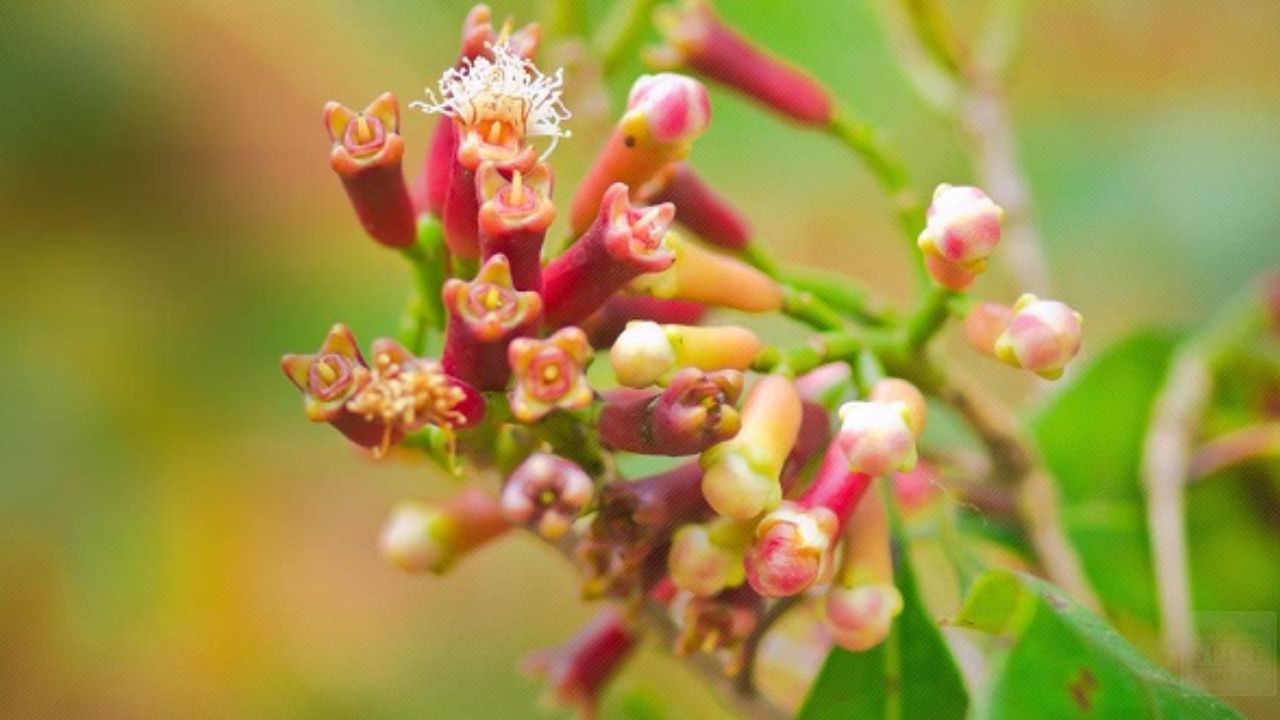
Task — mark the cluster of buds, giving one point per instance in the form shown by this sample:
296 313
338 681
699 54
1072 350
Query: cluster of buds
766 497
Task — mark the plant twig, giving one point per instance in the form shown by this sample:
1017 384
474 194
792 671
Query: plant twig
1166 461
1015 462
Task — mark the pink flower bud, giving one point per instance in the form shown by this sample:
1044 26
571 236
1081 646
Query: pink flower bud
963 227
694 412
674 108
984 325
623 243
578 671
550 374
876 437
859 618
515 212
647 353
891 390
485 315
741 477
792 550
665 113
707 558
738 286
605 325
697 39
421 537
700 209
546 493
795 543
1043 336
366 154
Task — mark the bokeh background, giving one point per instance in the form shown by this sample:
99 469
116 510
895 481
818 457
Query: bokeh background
176 540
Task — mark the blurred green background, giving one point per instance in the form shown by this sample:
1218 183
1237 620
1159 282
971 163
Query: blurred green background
176 540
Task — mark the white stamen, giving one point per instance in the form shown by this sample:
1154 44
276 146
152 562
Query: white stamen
506 77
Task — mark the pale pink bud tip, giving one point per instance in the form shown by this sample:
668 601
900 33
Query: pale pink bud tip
859 618
891 390
417 539
546 493
1042 336
675 107
963 226
792 550
984 325
876 437
734 487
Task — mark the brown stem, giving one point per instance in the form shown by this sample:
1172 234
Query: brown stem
1166 461
985 116
1015 462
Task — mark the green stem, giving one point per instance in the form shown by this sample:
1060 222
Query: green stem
842 294
821 349
623 32
928 319
423 319
804 306
883 161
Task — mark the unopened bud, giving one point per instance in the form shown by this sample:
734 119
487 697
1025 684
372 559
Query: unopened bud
647 353
698 40
741 477
665 113
859 618
891 390
1042 336
421 537
695 411
963 227
737 285
876 437
984 325
792 550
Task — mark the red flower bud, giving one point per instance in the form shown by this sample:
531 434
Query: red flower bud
642 514
547 493
665 113
700 209
485 315
366 154
694 412
550 374
697 39
623 243
515 212
578 671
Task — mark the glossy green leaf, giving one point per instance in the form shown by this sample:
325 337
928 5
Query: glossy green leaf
1065 662
911 675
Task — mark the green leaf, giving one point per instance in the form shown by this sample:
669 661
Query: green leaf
912 674
1065 662
1091 436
